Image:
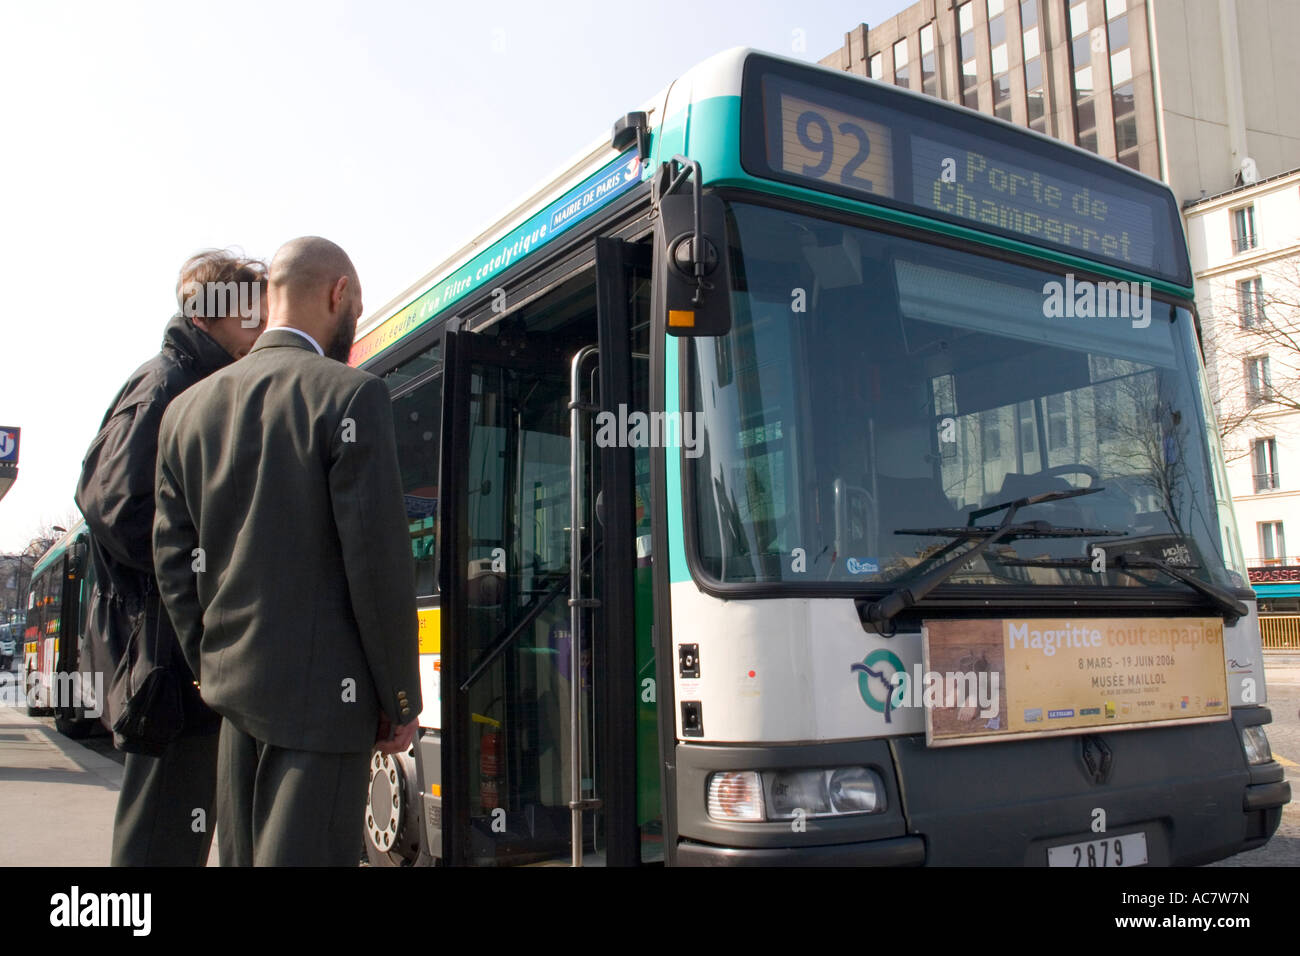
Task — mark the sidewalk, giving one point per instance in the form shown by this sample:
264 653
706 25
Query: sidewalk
56 797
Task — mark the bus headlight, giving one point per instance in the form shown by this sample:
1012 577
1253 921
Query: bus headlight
747 795
826 792
856 790
735 795
789 791
1255 742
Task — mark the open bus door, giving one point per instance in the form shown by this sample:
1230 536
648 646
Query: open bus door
532 705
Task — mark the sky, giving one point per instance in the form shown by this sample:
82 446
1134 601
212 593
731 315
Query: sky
135 134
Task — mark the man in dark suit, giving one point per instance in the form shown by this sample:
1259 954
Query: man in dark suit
283 556
169 778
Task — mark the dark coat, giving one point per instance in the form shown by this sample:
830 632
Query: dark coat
301 624
116 495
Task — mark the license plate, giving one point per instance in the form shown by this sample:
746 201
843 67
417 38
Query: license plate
1127 850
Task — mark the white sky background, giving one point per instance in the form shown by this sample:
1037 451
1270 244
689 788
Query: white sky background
137 133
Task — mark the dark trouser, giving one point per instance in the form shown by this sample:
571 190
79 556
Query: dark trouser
156 822
281 807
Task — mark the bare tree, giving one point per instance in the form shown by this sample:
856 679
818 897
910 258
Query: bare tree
1252 352
46 532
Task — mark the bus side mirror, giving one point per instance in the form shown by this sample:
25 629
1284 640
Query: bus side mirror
77 555
693 284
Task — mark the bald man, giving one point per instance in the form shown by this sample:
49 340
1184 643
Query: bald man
283 557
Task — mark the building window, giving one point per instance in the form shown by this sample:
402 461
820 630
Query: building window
877 66
991 436
1035 92
1085 113
1028 432
998 53
900 63
997 25
929 62
1106 411
1001 83
1121 84
1243 229
1250 302
1058 423
1259 385
1263 457
1272 545
969 73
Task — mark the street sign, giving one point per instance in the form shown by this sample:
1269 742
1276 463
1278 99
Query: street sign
9 444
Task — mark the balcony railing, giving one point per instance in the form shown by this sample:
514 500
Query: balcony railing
1267 481
1242 243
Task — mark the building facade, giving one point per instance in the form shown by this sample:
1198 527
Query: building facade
1199 93
1245 251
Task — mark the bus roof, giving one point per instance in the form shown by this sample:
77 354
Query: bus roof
671 120
57 549
587 160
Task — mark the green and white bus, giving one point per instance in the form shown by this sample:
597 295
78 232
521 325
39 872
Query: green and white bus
818 473
61 677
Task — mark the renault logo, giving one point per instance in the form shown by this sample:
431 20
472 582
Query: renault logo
1096 758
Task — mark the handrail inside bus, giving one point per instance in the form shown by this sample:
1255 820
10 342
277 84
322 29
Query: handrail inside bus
533 614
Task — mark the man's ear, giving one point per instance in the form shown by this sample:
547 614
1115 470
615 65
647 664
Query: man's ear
338 294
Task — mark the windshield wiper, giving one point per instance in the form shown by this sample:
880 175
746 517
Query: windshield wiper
1223 599
881 612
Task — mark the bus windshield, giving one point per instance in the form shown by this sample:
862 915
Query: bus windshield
876 391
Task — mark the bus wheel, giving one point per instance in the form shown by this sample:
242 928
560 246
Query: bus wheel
74 727
392 822
33 683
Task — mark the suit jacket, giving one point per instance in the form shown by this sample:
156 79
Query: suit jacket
298 613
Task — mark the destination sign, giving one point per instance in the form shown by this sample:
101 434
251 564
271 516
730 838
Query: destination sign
823 143
985 188
876 143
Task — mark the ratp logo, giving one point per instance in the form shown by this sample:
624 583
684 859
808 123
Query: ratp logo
876 674
8 444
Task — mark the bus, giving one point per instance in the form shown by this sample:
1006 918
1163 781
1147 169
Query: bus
815 472
59 677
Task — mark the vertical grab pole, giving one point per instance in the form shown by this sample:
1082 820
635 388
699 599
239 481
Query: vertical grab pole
576 601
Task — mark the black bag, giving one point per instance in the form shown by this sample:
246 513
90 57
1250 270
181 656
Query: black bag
144 699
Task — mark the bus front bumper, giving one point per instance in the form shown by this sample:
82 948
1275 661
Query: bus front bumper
1187 789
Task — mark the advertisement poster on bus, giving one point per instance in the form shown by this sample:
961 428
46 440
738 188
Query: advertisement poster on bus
1009 678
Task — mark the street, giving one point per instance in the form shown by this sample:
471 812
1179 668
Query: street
1282 675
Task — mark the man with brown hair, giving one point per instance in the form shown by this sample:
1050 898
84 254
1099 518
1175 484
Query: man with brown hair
165 809
281 472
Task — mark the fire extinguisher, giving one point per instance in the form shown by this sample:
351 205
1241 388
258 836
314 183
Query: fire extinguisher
489 762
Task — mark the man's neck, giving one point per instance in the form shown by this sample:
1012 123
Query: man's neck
303 332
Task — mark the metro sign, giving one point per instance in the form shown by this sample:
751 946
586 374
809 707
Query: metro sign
9 445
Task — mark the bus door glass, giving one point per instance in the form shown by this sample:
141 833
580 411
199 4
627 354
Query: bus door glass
506 663
508 658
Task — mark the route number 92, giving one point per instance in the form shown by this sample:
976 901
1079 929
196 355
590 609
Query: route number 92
819 137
